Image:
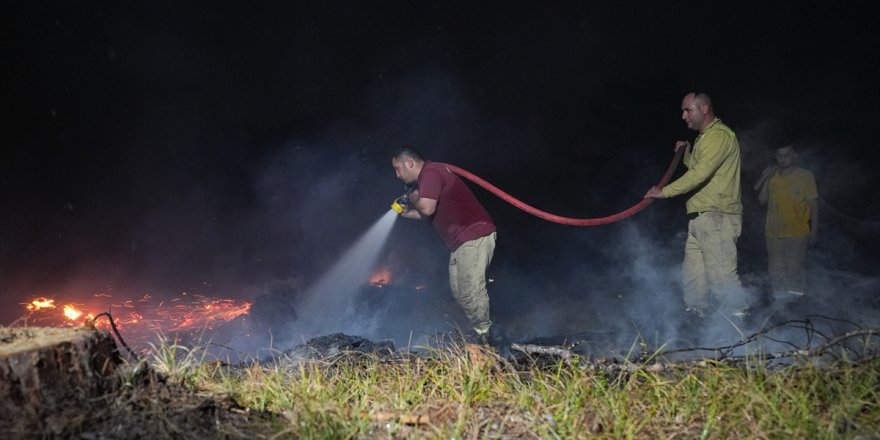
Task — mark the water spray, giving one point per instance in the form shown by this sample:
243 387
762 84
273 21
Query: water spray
329 304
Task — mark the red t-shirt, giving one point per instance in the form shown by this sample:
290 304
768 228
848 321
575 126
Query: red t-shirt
459 216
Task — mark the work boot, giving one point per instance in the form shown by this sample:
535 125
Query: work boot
695 312
743 320
478 336
496 339
484 339
482 330
692 325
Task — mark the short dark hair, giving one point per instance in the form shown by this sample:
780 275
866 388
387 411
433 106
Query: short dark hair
407 151
703 97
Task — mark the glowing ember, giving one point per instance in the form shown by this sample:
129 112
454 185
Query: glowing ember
41 303
381 278
206 314
71 312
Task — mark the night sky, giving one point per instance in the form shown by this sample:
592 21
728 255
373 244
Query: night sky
224 146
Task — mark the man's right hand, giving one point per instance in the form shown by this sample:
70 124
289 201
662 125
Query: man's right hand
762 182
685 144
654 193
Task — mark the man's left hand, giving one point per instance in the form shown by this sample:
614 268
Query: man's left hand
655 193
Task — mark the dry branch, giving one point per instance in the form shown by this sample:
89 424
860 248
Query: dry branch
531 349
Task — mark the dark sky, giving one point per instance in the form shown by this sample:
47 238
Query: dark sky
167 145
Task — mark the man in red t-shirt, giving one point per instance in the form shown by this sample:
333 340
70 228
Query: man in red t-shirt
463 224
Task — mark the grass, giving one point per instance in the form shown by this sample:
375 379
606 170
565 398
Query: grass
465 392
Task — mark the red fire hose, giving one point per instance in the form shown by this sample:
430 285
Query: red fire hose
567 220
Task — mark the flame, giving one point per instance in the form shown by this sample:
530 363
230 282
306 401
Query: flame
41 303
71 312
209 312
381 277
140 318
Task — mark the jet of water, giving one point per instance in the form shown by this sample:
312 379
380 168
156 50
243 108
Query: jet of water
328 305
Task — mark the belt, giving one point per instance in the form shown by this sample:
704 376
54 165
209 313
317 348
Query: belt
693 215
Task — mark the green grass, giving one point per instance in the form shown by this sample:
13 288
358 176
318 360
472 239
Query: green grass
453 393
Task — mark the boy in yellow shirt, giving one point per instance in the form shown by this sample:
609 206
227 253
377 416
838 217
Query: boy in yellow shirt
792 221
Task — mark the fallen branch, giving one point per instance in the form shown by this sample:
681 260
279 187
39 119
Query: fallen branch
811 352
723 352
530 349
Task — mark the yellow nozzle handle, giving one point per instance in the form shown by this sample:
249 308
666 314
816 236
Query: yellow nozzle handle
397 207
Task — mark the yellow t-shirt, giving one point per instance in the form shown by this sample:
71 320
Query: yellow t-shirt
788 204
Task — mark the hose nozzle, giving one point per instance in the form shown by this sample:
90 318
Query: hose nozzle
397 207
399 204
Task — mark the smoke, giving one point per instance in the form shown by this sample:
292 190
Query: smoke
614 285
621 283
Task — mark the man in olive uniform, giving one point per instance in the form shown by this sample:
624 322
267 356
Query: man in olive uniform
714 210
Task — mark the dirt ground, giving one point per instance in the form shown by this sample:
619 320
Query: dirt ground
72 383
147 406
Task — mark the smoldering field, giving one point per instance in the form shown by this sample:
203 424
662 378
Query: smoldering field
609 288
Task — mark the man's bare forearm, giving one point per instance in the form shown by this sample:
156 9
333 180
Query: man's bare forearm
763 192
761 186
413 214
814 216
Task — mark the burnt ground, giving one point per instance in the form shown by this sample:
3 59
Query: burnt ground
146 405
336 344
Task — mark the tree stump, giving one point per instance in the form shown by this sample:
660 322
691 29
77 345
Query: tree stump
44 372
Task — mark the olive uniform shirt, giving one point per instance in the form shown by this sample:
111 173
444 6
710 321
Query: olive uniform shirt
713 170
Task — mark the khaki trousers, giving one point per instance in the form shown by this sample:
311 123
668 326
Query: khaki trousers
467 278
785 263
710 263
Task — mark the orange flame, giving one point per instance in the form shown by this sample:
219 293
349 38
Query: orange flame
211 312
71 312
140 318
41 303
381 278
